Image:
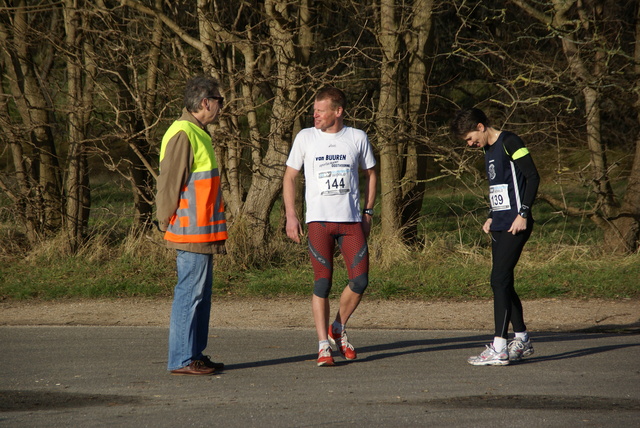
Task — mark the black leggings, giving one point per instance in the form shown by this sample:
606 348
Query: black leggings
507 308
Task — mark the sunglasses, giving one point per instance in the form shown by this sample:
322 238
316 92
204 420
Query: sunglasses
219 99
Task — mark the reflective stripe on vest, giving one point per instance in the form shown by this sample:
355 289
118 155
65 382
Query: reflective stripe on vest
200 215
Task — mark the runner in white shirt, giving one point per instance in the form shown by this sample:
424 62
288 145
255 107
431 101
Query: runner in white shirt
332 155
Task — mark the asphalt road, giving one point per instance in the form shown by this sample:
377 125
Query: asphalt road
116 377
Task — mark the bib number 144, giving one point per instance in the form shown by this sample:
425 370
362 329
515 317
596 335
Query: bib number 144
334 182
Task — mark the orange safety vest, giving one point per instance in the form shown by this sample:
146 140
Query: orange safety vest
200 214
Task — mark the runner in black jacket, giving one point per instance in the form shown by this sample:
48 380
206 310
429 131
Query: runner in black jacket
513 184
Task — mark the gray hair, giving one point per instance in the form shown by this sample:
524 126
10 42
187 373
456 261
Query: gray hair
198 88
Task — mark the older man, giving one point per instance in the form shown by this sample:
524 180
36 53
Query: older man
191 212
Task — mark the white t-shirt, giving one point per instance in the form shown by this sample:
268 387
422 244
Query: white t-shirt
331 164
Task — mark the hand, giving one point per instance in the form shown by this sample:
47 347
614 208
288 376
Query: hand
487 225
294 229
162 226
366 225
518 225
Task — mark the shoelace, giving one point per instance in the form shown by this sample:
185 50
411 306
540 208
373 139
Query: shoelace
344 341
488 352
516 345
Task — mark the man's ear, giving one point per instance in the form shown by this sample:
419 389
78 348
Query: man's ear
339 112
481 127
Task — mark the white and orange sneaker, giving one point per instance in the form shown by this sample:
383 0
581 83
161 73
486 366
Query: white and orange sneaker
325 358
341 342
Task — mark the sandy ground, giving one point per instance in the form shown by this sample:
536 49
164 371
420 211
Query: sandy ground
541 315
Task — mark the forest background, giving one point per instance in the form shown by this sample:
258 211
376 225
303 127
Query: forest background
89 87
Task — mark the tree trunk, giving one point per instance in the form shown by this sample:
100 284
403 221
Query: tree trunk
625 230
419 41
391 192
80 74
266 183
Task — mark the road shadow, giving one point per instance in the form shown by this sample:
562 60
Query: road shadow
400 348
20 401
472 342
374 352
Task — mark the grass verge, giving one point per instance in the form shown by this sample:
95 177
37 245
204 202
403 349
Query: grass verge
149 271
452 261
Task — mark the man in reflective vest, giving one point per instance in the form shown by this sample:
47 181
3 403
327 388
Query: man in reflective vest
190 211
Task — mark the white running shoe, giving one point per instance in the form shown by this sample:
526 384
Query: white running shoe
518 349
491 357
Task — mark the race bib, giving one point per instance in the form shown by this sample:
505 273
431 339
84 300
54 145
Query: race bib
499 197
334 182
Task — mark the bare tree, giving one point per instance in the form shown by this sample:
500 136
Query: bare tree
557 73
131 63
386 120
102 77
257 49
592 39
404 35
81 71
48 136
27 59
418 40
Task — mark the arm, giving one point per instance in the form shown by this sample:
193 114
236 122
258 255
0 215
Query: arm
175 168
530 172
528 168
293 226
371 181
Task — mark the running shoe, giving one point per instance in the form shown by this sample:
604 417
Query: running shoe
518 349
341 342
491 357
325 358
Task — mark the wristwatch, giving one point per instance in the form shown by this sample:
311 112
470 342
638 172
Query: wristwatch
368 211
524 211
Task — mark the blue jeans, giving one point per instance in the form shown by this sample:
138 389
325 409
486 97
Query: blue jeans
191 309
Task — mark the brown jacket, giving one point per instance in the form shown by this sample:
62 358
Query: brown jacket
175 168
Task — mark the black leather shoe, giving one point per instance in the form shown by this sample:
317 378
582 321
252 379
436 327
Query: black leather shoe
196 367
207 362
